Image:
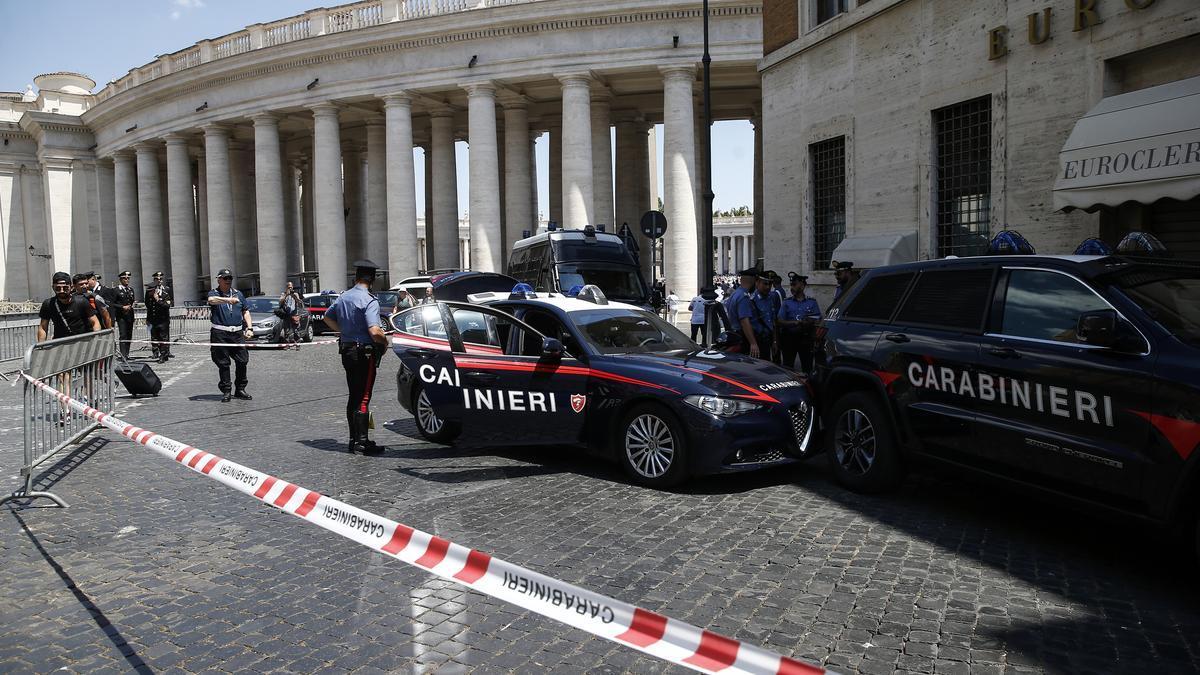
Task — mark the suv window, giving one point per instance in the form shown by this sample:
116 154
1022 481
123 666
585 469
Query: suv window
949 299
1046 305
878 299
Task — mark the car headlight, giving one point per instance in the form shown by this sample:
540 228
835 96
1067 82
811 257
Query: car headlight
722 407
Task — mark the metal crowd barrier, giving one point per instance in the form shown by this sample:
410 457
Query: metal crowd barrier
80 366
17 332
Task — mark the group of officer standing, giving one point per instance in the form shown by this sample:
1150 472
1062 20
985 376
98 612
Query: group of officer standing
777 325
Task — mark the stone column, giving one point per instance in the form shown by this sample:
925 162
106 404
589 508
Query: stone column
679 167
202 220
722 266
652 182
376 229
352 201
106 194
293 228
758 183
555 177
487 240
739 254
577 182
603 211
181 207
245 247
519 210
631 181
426 257
329 222
308 217
443 231
268 184
125 200
401 186
150 222
219 177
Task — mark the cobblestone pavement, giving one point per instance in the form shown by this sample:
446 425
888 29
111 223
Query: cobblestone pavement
154 568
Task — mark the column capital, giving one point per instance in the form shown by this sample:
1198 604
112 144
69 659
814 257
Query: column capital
398 99
441 113
175 139
122 155
581 79
146 147
512 100
477 89
265 119
325 109
680 72
217 129
374 121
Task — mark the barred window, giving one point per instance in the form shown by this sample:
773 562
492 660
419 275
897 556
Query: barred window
829 198
963 162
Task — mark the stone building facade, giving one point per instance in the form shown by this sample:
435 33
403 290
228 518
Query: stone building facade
286 150
944 121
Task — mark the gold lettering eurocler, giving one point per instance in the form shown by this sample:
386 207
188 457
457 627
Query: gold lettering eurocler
1086 15
998 43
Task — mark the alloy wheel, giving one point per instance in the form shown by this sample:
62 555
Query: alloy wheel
854 442
650 446
426 417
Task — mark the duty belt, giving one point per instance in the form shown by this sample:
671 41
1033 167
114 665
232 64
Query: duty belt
228 329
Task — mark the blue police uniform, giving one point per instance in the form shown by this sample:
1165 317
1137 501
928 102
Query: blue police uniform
355 312
762 316
227 327
797 340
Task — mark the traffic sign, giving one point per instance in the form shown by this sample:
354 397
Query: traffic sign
654 224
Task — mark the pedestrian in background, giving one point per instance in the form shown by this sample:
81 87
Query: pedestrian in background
70 314
361 343
102 299
230 326
121 299
403 300
290 302
673 307
99 307
158 318
700 306
798 319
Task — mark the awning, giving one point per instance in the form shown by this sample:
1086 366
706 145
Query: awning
1137 147
868 251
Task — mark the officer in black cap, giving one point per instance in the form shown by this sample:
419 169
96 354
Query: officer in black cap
362 344
845 275
158 317
230 326
797 321
121 299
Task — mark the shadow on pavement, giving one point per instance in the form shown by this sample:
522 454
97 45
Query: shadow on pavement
204 397
475 474
1140 589
66 464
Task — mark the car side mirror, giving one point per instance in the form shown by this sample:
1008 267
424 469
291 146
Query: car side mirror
552 349
1098 329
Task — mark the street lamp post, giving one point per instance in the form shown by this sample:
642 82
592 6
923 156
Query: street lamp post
706 234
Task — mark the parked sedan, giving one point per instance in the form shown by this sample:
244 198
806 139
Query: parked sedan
316 304
268 326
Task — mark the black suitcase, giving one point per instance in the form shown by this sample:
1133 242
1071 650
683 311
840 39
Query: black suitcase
139 379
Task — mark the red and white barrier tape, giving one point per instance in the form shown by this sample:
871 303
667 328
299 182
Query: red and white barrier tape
646 631
234 345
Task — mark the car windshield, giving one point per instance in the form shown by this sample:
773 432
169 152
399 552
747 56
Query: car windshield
619 282
629 331
1173 301
261 305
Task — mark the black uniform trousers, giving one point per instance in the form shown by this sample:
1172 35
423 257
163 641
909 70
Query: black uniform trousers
223 355
160 331
796 343
124 330
358 360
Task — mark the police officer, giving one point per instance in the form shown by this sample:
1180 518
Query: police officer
355 314
121 299
797 320
845 275
158 317
230 325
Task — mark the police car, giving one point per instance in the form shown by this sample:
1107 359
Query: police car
1078 375
522 368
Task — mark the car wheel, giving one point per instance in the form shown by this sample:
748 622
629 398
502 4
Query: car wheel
652 447
862 447
432 427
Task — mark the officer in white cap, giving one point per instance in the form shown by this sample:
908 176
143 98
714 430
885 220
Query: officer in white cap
230 326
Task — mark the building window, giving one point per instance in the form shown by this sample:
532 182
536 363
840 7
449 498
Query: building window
963 162
829 198
827 9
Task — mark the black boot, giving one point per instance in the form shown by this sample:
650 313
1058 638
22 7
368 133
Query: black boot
362 421
241 393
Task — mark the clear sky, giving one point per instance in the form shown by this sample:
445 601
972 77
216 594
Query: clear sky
104 40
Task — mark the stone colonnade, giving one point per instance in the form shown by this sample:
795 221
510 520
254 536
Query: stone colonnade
287 204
